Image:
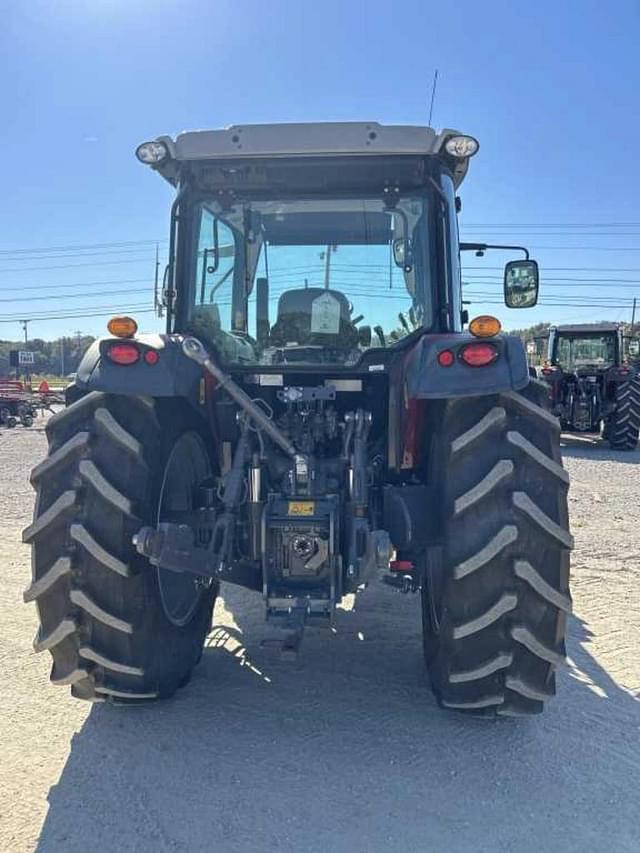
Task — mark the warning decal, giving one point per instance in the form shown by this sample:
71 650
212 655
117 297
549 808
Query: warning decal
325 315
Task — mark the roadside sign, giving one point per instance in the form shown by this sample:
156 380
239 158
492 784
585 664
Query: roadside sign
25 358
531 347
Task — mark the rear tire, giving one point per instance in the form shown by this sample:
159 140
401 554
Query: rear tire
496 594
623 426
100 604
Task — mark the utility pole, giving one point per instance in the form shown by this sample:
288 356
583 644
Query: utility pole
78 335
327 265
633 314
25 326
62 356
157 302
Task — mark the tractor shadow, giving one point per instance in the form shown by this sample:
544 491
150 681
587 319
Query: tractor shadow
345 750
591 446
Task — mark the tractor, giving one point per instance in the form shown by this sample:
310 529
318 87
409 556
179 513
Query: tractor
591 386
318 416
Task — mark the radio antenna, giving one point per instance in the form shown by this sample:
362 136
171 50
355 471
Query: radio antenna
433 94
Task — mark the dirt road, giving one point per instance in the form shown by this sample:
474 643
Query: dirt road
345 750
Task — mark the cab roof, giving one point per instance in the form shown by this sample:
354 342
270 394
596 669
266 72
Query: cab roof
586 328
317 139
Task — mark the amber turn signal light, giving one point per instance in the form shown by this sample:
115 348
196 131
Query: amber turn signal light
485 326
122 327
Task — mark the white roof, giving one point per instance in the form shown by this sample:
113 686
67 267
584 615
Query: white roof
355 138
319 138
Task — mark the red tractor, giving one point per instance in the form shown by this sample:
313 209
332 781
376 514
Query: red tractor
314 419
592 388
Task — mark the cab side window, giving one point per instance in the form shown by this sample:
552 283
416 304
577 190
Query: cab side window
214 271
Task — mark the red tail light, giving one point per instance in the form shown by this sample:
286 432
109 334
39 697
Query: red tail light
446 358
401 566
123 353
479 355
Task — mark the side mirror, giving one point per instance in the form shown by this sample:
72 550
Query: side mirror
364 336
403 253
521 284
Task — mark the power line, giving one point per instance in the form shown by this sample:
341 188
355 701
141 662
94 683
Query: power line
382 275
350 284
552 225
8 318
91 295
146 260
605 284
561 269
18 258
602 306
76 284
80 246
383 269
83 316
584 248
525 236
482 301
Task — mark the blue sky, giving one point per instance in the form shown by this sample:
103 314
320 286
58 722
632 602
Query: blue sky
550 90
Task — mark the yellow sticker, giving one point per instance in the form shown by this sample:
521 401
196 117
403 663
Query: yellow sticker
301 507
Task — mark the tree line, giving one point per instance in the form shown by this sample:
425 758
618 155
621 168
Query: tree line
61 356
58 358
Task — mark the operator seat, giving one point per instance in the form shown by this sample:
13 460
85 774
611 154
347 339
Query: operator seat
314 316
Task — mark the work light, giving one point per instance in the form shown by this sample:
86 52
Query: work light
152 153
461 146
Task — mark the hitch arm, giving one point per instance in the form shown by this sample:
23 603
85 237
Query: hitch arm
194 350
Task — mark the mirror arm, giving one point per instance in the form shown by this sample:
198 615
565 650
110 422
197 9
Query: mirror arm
216 260
203 279
219 284
482 247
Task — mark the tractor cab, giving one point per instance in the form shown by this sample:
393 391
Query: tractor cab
593 347
592 388
314 244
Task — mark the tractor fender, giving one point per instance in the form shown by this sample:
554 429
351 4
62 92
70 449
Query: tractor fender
426 378
172 375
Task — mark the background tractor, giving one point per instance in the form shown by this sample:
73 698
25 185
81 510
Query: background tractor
592 388
313 420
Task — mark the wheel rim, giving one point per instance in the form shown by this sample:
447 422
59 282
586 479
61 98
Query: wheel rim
187 466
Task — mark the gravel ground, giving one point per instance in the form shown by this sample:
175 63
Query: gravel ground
344 750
